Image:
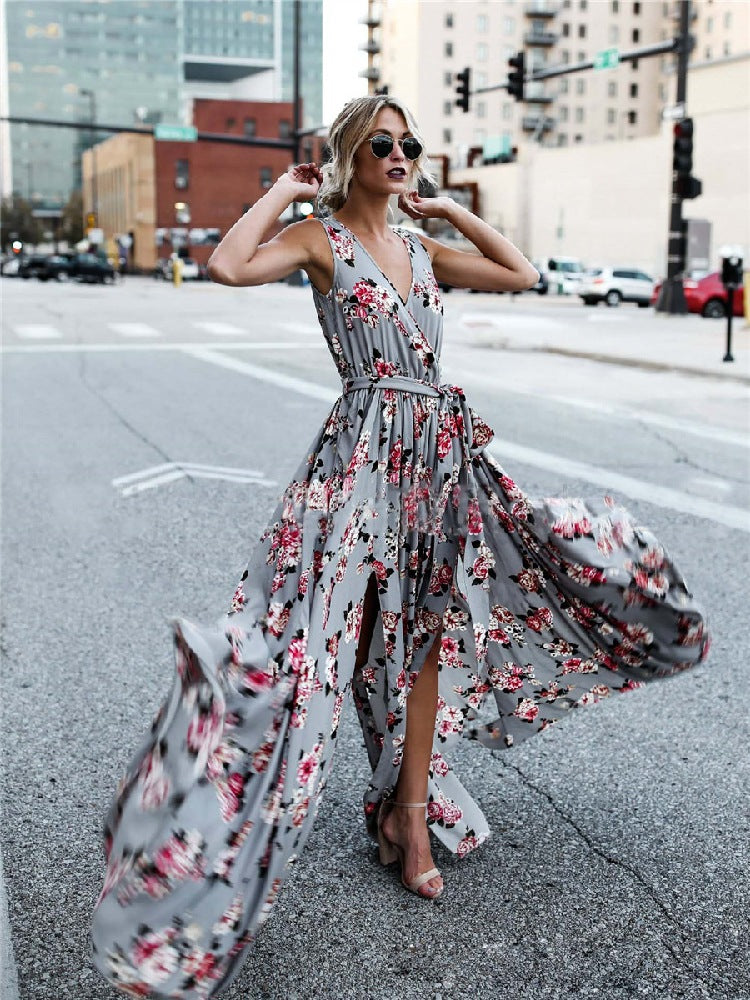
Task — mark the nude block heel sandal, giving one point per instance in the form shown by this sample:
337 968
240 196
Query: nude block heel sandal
390 852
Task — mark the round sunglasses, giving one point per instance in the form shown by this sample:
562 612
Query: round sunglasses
382 145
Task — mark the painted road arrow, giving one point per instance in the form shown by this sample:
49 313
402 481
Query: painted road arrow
170 472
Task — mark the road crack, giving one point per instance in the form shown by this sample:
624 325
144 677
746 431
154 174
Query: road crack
625 866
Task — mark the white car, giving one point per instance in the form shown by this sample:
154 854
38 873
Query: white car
562 274
614 285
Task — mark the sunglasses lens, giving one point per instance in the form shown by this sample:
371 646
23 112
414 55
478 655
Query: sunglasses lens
412 148
381 145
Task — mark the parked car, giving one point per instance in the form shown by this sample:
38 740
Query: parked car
706 295
191 269
66 267
41 265
562 274
90 268
614 285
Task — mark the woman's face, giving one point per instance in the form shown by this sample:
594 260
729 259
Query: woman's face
372 173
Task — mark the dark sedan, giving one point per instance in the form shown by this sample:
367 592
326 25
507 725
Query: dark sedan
66 267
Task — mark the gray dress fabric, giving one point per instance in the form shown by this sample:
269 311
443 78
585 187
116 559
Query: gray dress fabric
541 606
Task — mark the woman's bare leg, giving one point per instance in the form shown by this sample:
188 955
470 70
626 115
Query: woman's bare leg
408 827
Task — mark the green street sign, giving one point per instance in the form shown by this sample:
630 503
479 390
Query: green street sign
176 133
606 59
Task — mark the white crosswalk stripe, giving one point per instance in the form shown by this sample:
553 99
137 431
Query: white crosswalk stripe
219 328
37 331
134 329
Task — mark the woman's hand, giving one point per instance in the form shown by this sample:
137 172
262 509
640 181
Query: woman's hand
303 181
417 207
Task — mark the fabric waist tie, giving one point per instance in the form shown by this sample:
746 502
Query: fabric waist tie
403 382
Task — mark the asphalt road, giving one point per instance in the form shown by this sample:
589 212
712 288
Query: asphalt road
617 867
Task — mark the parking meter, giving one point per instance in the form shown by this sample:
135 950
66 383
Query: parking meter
731 278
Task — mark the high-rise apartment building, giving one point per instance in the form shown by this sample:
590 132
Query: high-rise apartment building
131 61
415 48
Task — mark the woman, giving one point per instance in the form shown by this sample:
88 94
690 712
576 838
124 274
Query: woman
401 561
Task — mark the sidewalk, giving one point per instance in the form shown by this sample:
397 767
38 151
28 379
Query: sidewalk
624 336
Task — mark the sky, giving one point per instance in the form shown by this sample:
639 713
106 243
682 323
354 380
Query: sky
342 59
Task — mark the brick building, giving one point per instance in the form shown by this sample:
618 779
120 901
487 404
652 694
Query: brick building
183 196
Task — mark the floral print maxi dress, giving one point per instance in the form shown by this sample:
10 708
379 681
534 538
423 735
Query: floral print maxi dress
540 606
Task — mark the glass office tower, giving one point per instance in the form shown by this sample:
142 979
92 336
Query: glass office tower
122 62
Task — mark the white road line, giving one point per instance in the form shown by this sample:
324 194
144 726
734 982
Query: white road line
724 435
134 329
299 385
219 328
637 489
237 345
37 331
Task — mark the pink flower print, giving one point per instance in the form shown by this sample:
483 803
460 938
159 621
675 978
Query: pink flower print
154 957
434 811
153 782
526 709
572 523
474 521
181 857
296 651
238 599
540 620
199 964
204 733
277 618
467 844
439 765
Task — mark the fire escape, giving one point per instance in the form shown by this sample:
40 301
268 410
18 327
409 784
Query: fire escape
538 40
373 20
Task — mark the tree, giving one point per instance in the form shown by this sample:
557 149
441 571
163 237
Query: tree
18 223
71 221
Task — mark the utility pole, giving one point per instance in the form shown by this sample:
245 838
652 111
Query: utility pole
671 295
92 115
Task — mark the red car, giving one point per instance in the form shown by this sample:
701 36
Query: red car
707 296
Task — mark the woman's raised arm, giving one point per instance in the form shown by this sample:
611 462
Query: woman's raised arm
240 258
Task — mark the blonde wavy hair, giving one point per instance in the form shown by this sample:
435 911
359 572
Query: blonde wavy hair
347 132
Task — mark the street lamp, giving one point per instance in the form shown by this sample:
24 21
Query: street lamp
85 92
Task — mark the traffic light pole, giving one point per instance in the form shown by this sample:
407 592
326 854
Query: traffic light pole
672 295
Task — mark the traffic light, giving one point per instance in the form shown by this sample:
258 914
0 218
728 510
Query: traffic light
685 185
463 88
516 74
682 149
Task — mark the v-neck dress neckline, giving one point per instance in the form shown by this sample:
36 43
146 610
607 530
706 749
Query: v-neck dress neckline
404 302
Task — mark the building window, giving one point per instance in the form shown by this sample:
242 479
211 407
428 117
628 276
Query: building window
634 64
285 129
481 79
564 85
509 25
612 88
578 137
266 178
636 35
636 8
562 139
726 48
482 24
249 128
563 114
448 78
448 49
579 114
507 112
231 122
615 6
707 53
447 136
565 55
481 109
583 5
480 134
610 116
449 20
481 52
614 33
581 30
565 29
633 89
580 85
728 19
581 56
447 107
632 117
